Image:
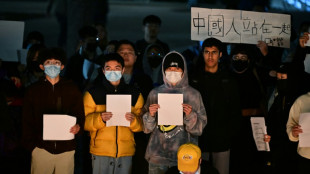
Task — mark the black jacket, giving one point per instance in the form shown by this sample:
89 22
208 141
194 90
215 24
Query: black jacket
44 98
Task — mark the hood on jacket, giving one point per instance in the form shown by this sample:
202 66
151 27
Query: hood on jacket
184 81
153 54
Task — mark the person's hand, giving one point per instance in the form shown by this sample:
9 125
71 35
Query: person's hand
296 131
267 138
303 39
75 129
153 108
263 47
187 109
16 81
106 116
129 116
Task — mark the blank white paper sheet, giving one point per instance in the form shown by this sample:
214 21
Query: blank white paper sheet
57 127
170 110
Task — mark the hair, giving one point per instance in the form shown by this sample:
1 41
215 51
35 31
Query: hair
127 42
87 31
210 42
304 26
32 52
52 53
111 57
151 19
34 35
241 49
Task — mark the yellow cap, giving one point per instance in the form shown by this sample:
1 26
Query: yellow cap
188 157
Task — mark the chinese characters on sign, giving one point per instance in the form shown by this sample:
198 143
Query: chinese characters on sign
236 26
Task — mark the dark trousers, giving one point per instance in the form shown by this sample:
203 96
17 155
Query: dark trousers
304 165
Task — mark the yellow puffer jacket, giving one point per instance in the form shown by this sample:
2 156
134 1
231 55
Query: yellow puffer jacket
114 141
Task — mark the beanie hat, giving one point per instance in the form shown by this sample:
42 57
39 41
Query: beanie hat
174 60
188 157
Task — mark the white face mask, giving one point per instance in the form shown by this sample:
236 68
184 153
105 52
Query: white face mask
173 77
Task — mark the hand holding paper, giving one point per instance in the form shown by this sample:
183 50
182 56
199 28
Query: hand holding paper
75 129
296 131
153 108
259 133
130 116
187 109
304 40
105 116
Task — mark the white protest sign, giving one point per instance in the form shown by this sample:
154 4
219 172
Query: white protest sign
170 111
236 26
119 105
11 34
259 130
57 127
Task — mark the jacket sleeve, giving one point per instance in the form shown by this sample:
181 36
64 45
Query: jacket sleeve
136 125
197 119
149 122
28 121
93 120
78 110
293 120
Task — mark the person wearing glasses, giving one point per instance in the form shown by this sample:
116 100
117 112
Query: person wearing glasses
51 95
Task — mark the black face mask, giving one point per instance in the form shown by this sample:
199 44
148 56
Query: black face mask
240 65
91 47
282 86
155 61
34 66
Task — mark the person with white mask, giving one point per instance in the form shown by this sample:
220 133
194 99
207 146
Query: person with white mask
161 152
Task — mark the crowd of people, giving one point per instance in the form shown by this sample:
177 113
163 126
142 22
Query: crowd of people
222 90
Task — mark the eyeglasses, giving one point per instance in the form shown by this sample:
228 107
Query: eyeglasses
52 62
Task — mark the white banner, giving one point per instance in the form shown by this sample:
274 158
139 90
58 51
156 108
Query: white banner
236 26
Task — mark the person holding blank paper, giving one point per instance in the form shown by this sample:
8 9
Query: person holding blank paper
295 128
50 97
161 152
112 147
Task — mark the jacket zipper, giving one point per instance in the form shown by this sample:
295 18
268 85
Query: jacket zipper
116 141
116 130
95 138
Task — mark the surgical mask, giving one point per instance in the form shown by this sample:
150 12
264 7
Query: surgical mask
52 70
113 76
240 65
173 77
